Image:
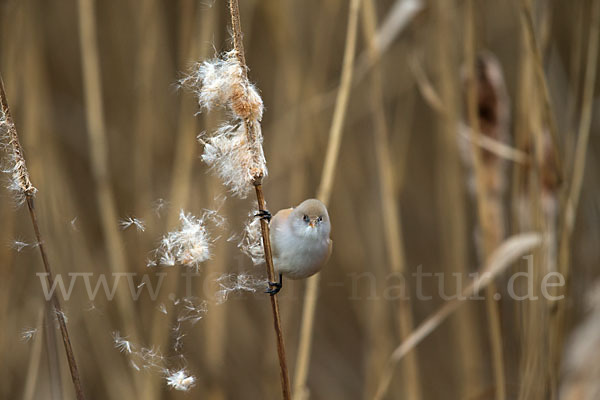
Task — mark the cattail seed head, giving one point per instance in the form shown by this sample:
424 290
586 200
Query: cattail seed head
234 152
14 165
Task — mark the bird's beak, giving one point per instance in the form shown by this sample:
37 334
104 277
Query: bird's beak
312 223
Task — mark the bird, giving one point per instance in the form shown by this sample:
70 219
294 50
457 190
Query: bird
299 240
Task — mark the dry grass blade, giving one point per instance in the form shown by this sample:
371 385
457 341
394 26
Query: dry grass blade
24 188
508 252
324 194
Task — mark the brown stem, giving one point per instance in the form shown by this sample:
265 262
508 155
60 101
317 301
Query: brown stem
28 191
236 25
57 307
252 130
285 380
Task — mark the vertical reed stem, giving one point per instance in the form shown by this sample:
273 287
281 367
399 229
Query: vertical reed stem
40 244
490 239
252 137
285 379
324 194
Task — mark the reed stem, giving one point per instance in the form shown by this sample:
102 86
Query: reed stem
324 194
28 192
251 129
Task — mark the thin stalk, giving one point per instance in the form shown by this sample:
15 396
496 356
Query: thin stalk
549 119
579 160
324 194
490 238
28 190
285 380
391 217
251 129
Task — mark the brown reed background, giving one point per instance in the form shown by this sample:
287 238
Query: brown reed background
294 50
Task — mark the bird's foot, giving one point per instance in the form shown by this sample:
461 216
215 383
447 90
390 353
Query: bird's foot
274 287
264 214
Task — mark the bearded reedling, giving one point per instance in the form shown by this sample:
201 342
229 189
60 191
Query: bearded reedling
300 240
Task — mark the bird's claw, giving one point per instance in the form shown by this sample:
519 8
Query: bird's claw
274 287
264 214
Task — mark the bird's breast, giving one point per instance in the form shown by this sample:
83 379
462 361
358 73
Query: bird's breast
298 257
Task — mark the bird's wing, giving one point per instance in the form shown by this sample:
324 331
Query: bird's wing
277 223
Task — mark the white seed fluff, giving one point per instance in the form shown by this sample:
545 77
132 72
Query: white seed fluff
190 245
132 221
232 283
251 242
234 154
235 161
180 380
14 165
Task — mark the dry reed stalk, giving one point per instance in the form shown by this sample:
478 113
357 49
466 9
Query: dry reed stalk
254 139
529 319
22 186
536 198
548 115
324 194
574 77
489 202
12 45
578 171
583 135
451 199
98 148
401 14
500 259
394 241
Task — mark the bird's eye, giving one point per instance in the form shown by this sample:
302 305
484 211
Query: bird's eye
305 218
320 219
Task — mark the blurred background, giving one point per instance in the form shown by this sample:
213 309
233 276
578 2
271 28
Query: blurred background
120 142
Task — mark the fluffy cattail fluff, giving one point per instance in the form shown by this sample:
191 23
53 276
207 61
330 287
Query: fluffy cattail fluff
251 242
234 152
190 245
180 380
152 360
232 283
14 165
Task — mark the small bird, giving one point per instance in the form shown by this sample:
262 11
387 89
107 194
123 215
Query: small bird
299 240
